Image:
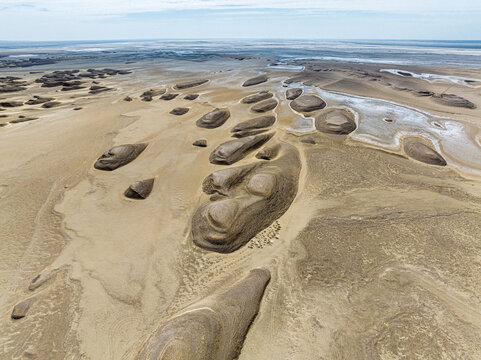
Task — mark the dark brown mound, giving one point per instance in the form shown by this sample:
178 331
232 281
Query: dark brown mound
169 96
10 104
213 119
416 149
96 89
293 94
127 98
38 100
191 96
51 104
22 119
255 81
308 103
251 99
264 106
423 93
140 189
21 309
189 84
73 87
180 111
200 143
336 121
149 94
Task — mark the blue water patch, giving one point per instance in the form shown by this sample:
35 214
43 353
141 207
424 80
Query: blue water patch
442 53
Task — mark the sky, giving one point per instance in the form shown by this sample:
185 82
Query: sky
55 20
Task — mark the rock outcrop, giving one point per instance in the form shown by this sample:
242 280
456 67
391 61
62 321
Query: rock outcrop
168 96
454 100
251 99
264 106
336 121
190 84
179 111
247 199
200 143
20 310
292 94
191 97
234 150
119 156
213 119
139 189
308 103
256 123
255 80
416 149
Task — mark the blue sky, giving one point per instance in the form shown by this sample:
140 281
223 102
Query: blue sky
190 19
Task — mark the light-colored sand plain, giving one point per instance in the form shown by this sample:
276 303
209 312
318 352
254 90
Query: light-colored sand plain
378 256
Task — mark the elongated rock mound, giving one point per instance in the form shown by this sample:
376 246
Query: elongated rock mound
190 84
140 189
336 121
417 150
308 103
212 329
248 199
251 99
293 94
214 119
255 80
256 123
264 106
235 150
119 156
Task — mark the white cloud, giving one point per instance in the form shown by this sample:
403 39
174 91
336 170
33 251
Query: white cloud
121 7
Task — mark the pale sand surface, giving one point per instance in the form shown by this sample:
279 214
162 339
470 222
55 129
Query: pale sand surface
378 256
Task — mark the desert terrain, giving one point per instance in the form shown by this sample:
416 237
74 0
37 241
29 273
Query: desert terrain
317 210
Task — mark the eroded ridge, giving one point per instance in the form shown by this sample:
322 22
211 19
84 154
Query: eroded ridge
213 328
245 200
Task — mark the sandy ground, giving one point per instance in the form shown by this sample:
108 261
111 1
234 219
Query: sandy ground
378 257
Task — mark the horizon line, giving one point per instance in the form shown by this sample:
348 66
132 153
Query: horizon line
247 38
